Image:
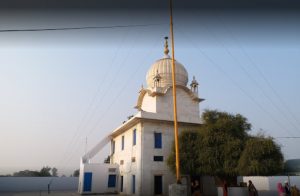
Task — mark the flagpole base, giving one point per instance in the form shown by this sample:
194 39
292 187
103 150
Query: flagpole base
177 190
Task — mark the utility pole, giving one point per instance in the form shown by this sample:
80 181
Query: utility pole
85 147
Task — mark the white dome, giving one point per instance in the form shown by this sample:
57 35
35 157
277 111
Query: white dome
164 68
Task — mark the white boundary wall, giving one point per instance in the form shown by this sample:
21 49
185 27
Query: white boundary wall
267 185
20 184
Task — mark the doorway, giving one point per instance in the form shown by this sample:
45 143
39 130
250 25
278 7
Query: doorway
122 181
87 182
158 185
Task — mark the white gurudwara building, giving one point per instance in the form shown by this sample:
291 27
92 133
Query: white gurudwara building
140 146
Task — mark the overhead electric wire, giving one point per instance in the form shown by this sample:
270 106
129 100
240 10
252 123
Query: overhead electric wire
117 95
77 28
233 81
288 137
74 141
144 25
75 138
109 87
264 78
103 117
83 121
250 77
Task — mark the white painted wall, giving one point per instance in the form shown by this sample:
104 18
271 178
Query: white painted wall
149 103
234 191
162 106
99 177
151 168
187 109
129 168
145 168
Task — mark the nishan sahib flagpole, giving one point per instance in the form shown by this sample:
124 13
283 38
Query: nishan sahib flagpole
178 178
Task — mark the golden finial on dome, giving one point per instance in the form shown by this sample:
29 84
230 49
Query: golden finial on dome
166 46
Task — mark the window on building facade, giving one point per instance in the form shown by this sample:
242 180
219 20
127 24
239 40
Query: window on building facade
113 170
158 158
113 144
111 181
157 140
122 145
121 162
133 184
134 137
133 159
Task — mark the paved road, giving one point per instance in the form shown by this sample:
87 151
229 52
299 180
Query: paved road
44 193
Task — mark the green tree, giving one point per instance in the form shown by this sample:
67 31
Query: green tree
76 173
221 140
45 171
217 146
188 148
26 173
54 172
261 156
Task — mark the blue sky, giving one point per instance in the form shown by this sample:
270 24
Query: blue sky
57 88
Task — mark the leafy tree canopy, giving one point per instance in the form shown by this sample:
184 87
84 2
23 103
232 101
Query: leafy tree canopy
27 173
190 162
222 147
261 156
44 172
76 173
54 172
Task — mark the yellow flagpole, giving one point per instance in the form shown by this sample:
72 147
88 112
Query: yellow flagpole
178 178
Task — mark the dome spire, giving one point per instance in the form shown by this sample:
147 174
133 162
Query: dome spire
194 85
157 79
166 51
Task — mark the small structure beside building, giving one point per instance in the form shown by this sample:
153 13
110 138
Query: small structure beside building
292 167
140 146
93 181
267 185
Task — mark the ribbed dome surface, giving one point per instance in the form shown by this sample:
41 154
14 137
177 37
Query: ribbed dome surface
164 68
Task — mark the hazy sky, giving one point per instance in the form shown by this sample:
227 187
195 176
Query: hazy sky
59 87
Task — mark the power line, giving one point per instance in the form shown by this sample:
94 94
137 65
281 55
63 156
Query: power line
235 82
114 100
287 137
253 80
93 110
121 91
234 38
90 110
84 120
77 28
